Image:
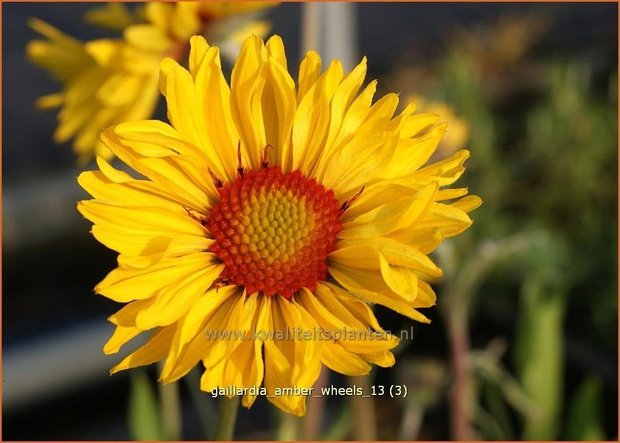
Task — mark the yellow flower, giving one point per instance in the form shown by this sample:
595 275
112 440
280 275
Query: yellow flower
110 81
268 205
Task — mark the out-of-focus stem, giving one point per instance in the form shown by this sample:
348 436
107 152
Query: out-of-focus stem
313 421
227 416
288 429
363 410
203 402
461 382
330 29
411 422
170 410
459 289
311 27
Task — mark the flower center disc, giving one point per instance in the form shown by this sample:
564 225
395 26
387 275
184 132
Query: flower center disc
273 231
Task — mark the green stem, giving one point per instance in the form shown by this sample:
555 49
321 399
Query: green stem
411 422
225 426
288 429
170 411
364 417
205 406
461 400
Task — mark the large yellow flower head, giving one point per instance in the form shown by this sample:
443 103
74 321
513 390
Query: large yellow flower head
110 81
267 218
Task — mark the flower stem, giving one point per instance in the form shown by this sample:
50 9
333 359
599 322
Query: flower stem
205 406
365 427
170 410
313 421
460 403
288 429
225 426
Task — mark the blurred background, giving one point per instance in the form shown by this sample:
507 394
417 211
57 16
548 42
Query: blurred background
523 343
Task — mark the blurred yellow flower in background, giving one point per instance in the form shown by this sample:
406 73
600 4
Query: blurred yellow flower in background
271 207
110 81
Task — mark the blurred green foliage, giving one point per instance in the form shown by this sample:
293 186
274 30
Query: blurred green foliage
144 411
540 357
585 415
541 254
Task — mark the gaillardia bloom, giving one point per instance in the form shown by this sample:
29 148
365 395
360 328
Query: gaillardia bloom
110 81
267 218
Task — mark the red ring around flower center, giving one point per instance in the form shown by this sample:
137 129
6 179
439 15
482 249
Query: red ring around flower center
273 231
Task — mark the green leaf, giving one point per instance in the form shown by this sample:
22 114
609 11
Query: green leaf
144 414
584 415
539 357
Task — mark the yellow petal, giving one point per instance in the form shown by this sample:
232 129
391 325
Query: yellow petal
53 33
49 101
450 194
148 38
309 72
389 217
395 253
311 121
350 337
367 285
412 153
426 296
338 359
340 103
279 106
103 51
198 51
467 204
275 50
178 174
190 116
113 16
213 109
154 350
290 363
126 316
334 296
135 242
131 193
359 162
384 359
418 124
121 336
158 223
446 171
244 366
355 115
235 318
450 220
124 285
203 310
380 114
159 13
400 280
174 301
326 298
186 20
153 138
247 83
